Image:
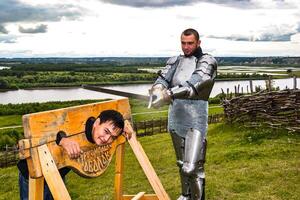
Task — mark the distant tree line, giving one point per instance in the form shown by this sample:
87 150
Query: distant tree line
75 67
70 78
241 75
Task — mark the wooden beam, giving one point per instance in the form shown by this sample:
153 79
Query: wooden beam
51 174
120 153
138 196
147 168
36 188
145 197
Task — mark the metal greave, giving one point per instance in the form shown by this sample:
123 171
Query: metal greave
193 165
178 144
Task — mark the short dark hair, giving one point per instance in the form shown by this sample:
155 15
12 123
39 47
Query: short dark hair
191 31
114 116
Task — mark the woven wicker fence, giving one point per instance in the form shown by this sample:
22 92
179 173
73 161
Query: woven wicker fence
277 109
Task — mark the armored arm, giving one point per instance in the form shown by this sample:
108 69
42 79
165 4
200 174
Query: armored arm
165 75
201 82
158 92
158 96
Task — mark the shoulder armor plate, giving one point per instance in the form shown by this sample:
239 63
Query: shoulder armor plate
209 60
172 60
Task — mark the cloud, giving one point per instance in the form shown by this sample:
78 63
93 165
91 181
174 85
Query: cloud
274 37
42 28
266 37
270 33
298 27
3 29
231 37
7 39
243 4
16 11
154 3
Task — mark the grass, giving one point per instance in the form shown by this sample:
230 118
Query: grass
139 111
10 120
242 163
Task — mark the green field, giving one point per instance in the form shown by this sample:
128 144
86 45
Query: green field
10 120
241 163
139 111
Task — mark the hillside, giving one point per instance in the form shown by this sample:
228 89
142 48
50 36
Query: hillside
241 164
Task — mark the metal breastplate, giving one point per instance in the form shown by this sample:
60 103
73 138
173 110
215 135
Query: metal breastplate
184 70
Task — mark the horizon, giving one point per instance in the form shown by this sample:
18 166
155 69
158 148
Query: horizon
145 57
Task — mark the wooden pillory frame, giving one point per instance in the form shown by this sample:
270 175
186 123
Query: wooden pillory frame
44 157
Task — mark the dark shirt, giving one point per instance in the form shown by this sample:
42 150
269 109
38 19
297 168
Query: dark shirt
22 164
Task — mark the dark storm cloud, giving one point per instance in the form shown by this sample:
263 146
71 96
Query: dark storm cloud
42 28
15 11
3 29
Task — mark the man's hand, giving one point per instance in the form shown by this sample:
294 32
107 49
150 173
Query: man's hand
128 131
71 147
158 96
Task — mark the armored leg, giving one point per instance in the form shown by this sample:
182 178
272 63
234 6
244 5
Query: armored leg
193 165
178 143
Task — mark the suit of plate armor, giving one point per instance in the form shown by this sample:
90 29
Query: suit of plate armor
188 81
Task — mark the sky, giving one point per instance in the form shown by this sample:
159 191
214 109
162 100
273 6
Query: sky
138 28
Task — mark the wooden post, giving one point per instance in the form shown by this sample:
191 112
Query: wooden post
160 124
120 152
270 84
36 188
51 174
145 127
235 90
136 128
148 169
166 124
140 195
251 86
295 82
6 156
152 127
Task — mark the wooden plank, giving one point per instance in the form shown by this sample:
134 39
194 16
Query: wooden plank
36 189
51 174
148 169
120 153
45 125
140 195
42 128
145 197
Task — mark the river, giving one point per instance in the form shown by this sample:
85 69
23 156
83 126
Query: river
67 94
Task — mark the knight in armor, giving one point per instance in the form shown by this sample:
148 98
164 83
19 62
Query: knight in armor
185 83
